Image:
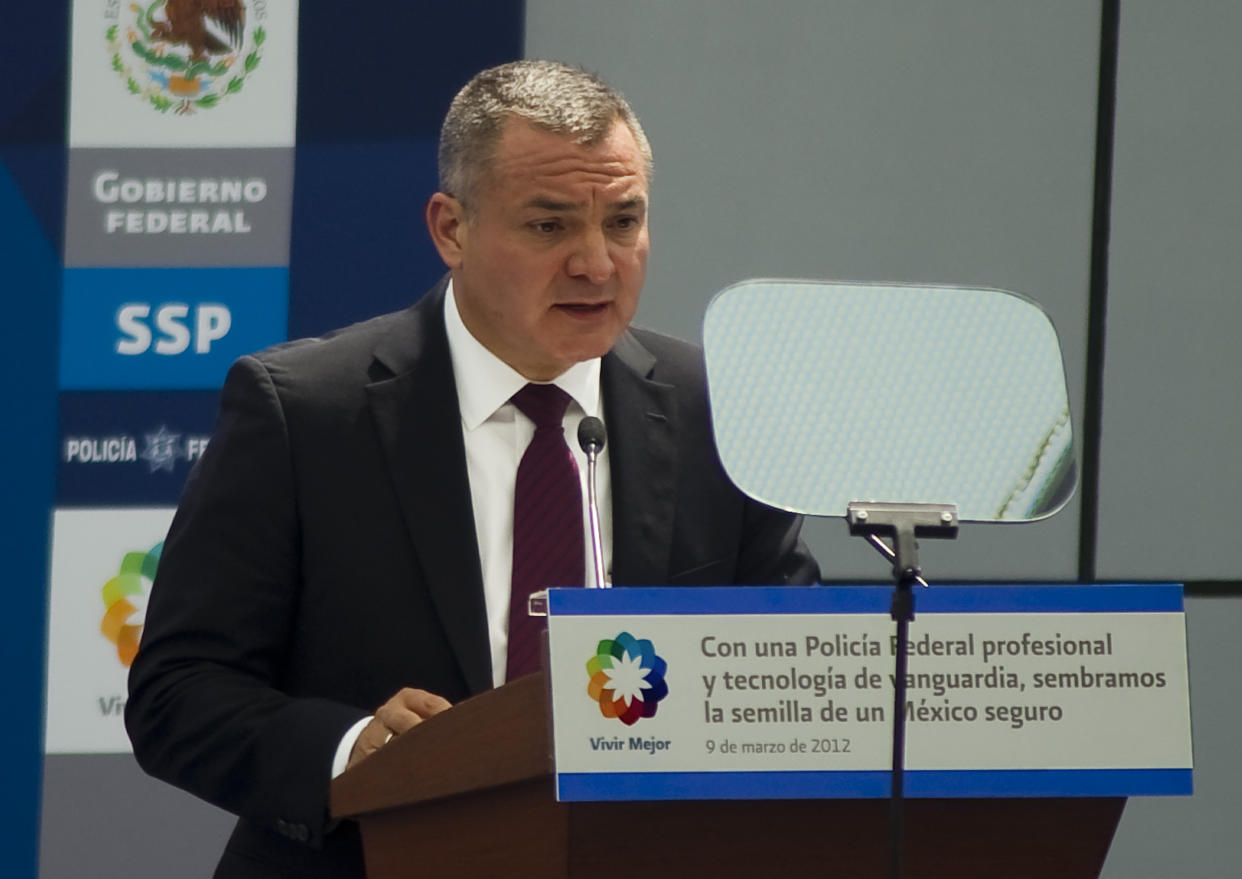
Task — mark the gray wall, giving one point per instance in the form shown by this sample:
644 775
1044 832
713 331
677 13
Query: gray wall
1172 411
1195 837
103 818
1170 463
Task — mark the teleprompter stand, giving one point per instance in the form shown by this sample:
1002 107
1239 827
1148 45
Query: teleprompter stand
470 792
903 524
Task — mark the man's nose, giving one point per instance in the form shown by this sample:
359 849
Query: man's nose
590 258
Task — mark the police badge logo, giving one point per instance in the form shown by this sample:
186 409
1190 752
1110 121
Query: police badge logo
185 55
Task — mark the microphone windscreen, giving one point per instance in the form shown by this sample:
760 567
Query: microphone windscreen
591 433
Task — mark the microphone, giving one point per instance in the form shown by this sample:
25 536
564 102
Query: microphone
591 438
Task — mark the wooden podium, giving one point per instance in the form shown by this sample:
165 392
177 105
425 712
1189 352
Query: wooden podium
470 793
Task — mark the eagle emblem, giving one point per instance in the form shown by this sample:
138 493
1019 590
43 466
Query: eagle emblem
185 56
202 25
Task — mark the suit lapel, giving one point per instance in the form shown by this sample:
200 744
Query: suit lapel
414 406
642 424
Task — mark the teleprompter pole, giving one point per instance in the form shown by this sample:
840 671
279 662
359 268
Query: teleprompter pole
903 524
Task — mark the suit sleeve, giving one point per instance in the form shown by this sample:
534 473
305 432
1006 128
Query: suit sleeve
717 534
772 551
206 709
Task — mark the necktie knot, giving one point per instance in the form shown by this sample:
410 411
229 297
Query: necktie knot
543 404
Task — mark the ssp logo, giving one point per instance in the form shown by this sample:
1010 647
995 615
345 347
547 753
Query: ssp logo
626 678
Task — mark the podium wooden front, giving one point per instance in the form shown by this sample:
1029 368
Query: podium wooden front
469 793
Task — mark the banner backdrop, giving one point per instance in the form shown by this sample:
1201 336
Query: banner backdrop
231 181
179 199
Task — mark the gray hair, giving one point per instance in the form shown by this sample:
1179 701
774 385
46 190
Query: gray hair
554 97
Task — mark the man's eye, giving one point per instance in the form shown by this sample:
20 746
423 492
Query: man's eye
546 227
626 224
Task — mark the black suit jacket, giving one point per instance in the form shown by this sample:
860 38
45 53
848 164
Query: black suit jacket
324 556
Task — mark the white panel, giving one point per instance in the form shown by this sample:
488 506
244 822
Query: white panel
101 562
128 88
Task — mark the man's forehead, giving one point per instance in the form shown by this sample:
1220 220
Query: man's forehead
524 146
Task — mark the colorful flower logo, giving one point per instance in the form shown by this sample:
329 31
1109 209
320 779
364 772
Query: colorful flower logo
116 624
627 678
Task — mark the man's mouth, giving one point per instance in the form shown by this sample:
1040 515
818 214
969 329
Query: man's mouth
585 309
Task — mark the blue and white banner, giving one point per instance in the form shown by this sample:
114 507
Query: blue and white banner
179 202
788 693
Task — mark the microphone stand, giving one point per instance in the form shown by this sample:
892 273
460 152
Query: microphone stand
902 523
591 438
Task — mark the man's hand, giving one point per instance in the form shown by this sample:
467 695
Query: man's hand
409 707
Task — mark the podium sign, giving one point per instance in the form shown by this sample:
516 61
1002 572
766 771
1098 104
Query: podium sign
786 693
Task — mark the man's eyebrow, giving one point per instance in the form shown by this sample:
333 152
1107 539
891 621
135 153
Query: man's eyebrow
545 203
630 204
550 204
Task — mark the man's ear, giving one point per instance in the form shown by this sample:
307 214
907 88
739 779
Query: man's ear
446 221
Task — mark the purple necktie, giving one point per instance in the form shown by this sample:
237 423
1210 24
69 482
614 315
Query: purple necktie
548 543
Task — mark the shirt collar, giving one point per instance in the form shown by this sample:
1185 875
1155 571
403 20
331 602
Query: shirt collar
485 382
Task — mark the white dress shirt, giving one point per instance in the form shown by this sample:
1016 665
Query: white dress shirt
496 435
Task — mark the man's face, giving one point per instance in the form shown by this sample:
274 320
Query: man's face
548 270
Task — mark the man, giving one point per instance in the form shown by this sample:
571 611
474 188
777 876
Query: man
348 539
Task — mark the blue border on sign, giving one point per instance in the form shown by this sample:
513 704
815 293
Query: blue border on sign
919 784
1056 598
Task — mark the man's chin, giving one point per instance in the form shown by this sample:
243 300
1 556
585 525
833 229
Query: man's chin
587 349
